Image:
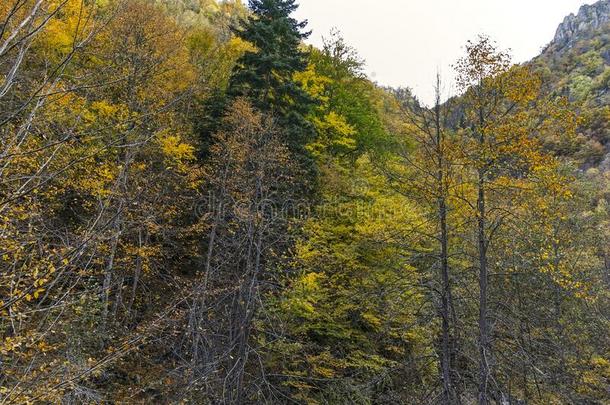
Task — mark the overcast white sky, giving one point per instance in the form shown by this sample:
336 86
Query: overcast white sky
404 42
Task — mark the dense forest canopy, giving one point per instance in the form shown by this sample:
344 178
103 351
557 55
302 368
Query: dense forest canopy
197 207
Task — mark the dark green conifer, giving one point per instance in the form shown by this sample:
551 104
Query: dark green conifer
266 75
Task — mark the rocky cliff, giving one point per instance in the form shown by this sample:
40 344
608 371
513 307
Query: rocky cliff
576 64
590 18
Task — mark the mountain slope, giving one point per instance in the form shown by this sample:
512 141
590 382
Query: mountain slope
576 64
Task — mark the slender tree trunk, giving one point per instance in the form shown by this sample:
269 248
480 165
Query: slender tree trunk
137 273
446 352
559 329
484 371
448 391
484 347
106 287
249 289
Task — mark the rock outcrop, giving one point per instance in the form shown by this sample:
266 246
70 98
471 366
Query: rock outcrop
589 18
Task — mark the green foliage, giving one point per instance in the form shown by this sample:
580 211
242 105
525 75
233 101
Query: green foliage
580 72
265 74
580 87
354 302
348 116
131 272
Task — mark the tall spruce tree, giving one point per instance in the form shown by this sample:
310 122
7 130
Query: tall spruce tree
265 75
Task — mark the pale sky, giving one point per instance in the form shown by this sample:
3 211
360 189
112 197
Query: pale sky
404 42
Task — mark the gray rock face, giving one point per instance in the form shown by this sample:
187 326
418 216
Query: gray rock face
589 17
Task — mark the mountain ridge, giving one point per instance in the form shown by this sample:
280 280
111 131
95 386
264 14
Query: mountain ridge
576 65
589 17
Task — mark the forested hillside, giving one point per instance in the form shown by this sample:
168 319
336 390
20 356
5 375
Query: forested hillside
576 65
197 207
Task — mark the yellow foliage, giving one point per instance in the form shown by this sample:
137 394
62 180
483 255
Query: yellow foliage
64 32
313 83
175 149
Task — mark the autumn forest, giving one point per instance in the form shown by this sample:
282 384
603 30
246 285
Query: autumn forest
197 207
